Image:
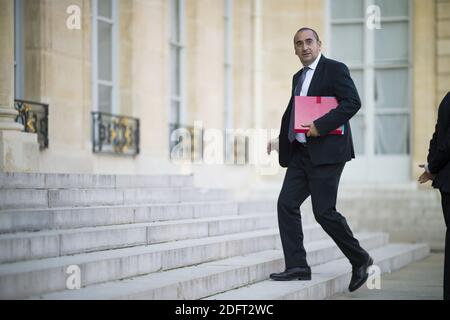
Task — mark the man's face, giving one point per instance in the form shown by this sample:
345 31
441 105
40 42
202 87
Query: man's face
306 46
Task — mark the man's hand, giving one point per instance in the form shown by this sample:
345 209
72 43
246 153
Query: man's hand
312 130
272 145
426 176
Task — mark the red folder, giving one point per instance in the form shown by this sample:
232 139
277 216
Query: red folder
308 109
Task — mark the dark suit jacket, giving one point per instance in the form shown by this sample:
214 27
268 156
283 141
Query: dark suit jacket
439 151
331 78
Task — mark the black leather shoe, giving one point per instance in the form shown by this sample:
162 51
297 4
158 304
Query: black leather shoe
296 273
359 275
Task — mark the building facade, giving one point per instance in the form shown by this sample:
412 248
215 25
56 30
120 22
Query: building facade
106 82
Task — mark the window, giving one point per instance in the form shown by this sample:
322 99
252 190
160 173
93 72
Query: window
392 78
379 63
228 89
18 50
177 99
104 55
228 81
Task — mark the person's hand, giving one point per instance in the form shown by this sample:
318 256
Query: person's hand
426 176
312 132
272 145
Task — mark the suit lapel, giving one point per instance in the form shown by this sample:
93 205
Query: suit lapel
295 80
317 77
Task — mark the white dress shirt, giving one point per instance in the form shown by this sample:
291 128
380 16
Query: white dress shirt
301 137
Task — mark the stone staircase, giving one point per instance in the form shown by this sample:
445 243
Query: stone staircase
159 237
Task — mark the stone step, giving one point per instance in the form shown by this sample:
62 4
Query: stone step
52 198
45 244
328 278
88 181
208 278
368 197
387 190
22 279
20 220
370 204
26 278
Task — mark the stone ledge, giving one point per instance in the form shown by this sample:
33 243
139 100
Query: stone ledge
19 152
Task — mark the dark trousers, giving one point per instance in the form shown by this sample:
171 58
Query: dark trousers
321 182
445 198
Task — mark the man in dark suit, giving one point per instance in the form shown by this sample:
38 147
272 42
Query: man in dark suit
438 170
315 162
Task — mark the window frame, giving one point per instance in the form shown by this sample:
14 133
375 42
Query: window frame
228 64
178 46
19 68
96 81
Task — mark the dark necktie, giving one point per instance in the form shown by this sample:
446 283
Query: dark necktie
298 89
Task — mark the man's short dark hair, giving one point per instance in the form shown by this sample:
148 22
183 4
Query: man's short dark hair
312 30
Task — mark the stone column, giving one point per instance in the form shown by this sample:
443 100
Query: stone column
19 151
424 82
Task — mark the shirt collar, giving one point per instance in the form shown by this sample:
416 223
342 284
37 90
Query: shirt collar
313 65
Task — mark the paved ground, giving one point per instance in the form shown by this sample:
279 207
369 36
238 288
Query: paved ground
421 280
